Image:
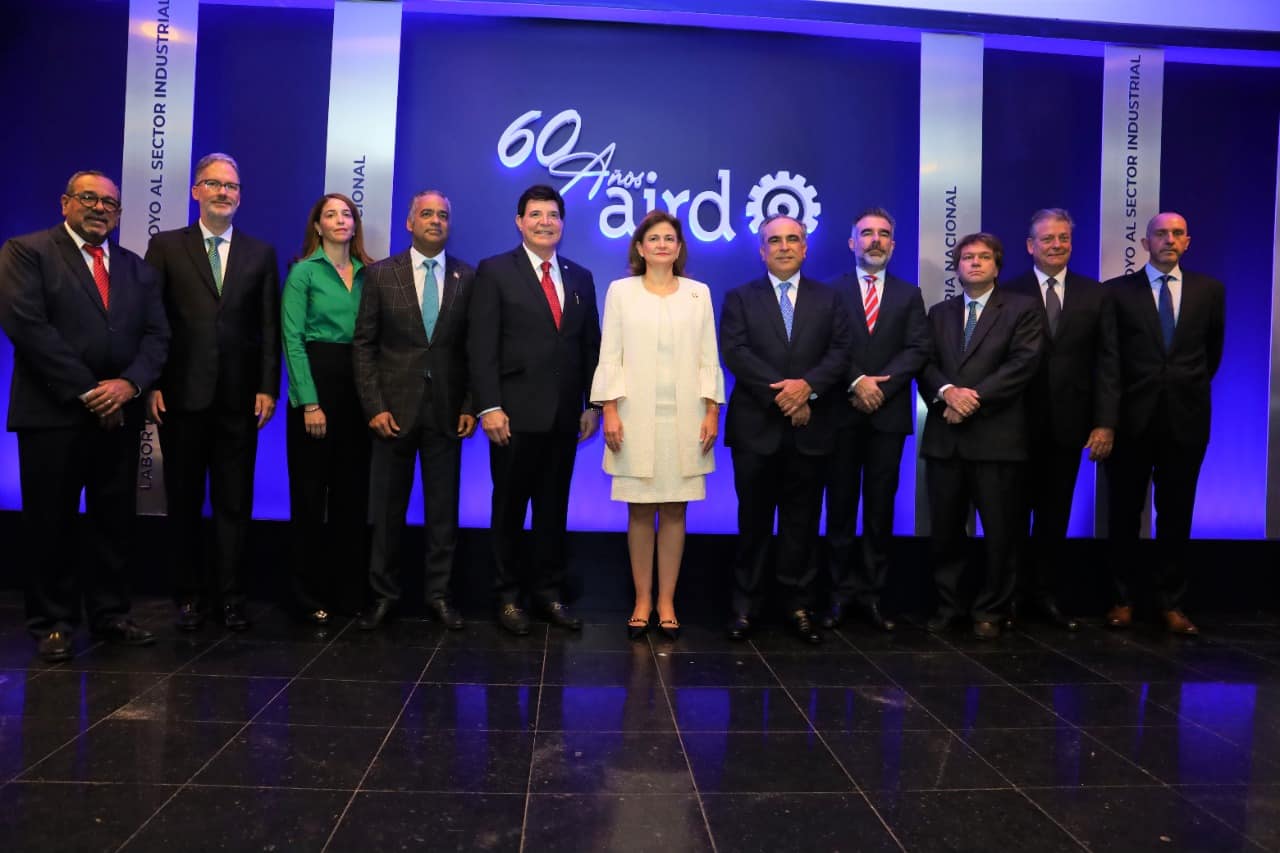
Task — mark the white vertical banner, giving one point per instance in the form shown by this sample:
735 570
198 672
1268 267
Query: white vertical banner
159 103
364 85
1132 118
1132 121
950 178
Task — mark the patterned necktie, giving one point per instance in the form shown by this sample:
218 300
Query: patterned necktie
1052 304
215 261
788 310
871 303
549 289
100 277
430 297
970 324
1167 321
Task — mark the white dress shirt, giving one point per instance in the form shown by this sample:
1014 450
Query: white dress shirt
1175 288
1060 282
420 274
792 293
224 248
85 256
555 272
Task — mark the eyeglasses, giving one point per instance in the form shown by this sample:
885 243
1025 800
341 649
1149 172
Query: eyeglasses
92 200
219 186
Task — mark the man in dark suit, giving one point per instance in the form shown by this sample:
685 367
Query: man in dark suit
1071 403
1171 325
890 345
89 336
411 373
785 338
533 344
986 347
219 387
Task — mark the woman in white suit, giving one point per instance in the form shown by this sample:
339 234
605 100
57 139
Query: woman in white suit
660 384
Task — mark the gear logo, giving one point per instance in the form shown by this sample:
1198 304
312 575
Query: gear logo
785 194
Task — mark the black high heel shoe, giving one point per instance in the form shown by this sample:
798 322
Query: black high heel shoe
637 628
670 629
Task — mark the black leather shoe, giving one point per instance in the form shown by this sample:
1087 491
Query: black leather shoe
189 618
1049 607
834 615
875 617
446 613
986 630
739 628
558 614
55 646
376 616
939 623
233 617
125 632
801 624
514 620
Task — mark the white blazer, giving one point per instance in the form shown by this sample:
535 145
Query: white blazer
628 350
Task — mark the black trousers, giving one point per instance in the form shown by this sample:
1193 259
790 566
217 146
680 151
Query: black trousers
1173 469
329 489
1050 484
535 468
788 483
993 489
217 446
54 466
440 458
865 464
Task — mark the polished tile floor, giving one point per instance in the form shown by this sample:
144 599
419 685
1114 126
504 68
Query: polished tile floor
288 739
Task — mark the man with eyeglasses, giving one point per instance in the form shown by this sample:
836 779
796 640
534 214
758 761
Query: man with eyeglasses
89 337
986 347
1071 403
219 387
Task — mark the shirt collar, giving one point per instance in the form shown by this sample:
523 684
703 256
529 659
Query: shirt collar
206 233
775 281
1059 278
981 300
1153 274
538 262
862 275
417 258
319 255
82 242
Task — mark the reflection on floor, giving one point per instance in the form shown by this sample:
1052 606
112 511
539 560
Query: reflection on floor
286 738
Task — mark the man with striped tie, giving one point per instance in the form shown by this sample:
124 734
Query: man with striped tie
890 345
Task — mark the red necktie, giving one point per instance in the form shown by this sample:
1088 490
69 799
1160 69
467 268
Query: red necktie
871 303
549 288
100 276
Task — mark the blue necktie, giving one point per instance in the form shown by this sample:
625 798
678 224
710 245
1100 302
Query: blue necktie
970 324
1166 312
430 298
788 310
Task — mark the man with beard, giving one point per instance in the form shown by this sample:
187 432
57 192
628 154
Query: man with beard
890 345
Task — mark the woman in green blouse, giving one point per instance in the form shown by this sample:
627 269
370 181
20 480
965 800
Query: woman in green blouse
328 441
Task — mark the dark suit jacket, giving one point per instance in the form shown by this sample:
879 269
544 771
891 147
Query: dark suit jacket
898 348
225 348
1077 387
999 364
538 374
1180 377
64 340
391 350
754 347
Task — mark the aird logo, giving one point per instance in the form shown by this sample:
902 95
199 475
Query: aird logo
633 193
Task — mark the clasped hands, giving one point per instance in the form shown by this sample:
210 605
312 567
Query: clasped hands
866 395
106 401
793 400
961 404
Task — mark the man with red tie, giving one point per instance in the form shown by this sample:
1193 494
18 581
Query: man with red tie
1171 325
533 344
89 337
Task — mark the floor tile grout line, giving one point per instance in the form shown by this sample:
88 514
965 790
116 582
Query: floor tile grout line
533 743
337 824
323 648
1016 788
675 725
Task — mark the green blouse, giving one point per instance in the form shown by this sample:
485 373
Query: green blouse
316 306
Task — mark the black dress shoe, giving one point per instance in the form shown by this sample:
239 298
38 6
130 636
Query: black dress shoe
875 617
376 616
801 624
558 614
189 618
233 618
55 646
834 615
446 613
939 623
125 632
739 628
512 618
1049 607
985 630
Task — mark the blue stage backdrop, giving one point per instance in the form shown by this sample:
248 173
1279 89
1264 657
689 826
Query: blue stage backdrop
713 118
